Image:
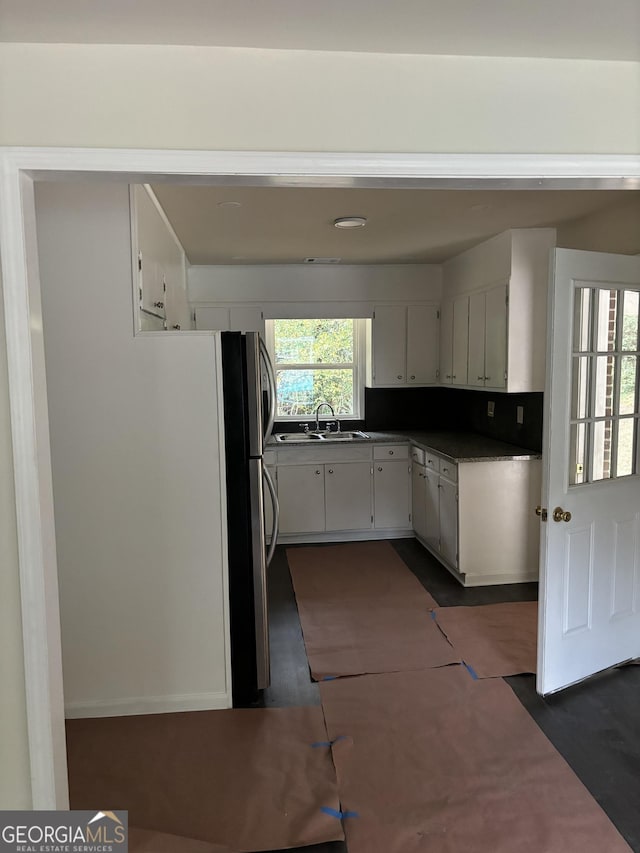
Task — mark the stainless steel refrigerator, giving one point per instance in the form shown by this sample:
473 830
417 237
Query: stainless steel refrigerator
249 411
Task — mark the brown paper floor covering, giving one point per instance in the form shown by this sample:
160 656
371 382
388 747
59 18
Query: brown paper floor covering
494 639
247 779
435 762
147 841
363 611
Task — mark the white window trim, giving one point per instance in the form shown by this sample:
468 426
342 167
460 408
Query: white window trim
359 370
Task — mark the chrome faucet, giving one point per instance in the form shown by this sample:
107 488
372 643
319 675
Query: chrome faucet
333 415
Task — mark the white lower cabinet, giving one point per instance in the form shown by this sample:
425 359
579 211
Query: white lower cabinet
448 521
347 495
459 514
391 494
301 498
338 489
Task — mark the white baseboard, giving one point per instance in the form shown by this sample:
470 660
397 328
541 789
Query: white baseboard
342 536
148 705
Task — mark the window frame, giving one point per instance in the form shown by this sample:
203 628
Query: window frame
359 367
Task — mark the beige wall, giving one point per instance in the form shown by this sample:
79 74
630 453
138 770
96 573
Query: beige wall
239 98
614 229
15 786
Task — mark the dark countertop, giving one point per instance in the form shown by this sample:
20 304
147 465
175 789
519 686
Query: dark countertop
455 446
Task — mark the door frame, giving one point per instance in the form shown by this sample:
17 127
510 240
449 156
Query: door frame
19 168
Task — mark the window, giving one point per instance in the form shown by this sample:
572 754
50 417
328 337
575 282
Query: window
605 382
317 361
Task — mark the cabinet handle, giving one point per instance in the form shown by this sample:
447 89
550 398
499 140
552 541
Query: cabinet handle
399 377
454 376
331 470
447 376
413 377
391 453
379 468
158 304
487 378
481 378
317 472
176 326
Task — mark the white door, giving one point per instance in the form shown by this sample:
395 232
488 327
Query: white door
476 339
422 344
495 336
390 345
449 521
590 543
460 349
446 343
348 495
419 500
432 501
301 498
391 486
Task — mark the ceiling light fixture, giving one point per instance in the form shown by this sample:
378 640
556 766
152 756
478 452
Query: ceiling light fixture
350 222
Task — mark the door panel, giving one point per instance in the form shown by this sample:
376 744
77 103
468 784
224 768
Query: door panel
348 495
422 344
449 521
419 500
432 501
301 498
390 345
460 354
495 358
391 494
446 343
589 614
476 339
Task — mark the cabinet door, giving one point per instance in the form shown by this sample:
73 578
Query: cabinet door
449 522
446 343
476 339
301 498
391 494
419 500
212 319
460 343
348 495
495 361
422 344
389 345
246 318
432 509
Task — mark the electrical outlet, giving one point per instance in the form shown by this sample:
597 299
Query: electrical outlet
520 415
491 409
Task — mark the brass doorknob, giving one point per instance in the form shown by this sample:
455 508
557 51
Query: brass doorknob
560 514
541 512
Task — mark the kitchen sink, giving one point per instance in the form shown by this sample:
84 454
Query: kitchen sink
354 435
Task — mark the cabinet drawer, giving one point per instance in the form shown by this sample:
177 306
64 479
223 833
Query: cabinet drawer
431 460
391 451
449 470
417 454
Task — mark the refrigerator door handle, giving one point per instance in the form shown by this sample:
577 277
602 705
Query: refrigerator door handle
271 415
276 514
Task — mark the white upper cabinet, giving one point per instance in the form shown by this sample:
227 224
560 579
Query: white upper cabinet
232 318
403 346
506 337
488 321
160 262
454 349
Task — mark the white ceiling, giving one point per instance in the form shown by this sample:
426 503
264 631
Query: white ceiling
286 225
588 29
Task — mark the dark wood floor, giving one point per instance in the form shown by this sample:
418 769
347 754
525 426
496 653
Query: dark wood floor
595 726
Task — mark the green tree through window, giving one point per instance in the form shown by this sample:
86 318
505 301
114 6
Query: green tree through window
315 363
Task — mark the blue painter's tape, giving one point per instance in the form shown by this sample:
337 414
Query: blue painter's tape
330 678
472 672
327 743
433 615
339 815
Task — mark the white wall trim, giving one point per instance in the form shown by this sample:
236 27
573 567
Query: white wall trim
213 701
619 171
27 381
